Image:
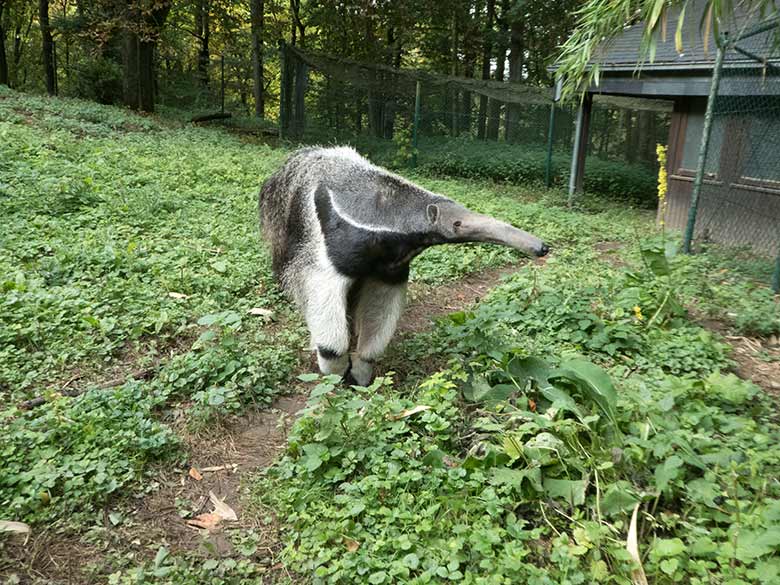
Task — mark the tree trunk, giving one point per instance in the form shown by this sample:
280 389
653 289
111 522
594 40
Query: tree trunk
454 129
495 106
48 47
3 61
297 25
487 52
516 58
203 28
257 10
466 96
141 33
631 136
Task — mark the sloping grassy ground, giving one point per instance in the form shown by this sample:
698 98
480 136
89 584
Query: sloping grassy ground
105 214
131 243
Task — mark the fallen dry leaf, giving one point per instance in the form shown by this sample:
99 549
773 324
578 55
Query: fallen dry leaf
231 467
175 295
195 474
205 521
12 526
637 575
350 544
410 411
221 508
261 312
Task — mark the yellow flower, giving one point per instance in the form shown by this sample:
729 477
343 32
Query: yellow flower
638 313
660 151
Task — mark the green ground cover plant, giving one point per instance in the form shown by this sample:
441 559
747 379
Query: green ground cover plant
574 392
572 397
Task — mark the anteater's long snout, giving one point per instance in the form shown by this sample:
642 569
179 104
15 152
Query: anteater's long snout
475 227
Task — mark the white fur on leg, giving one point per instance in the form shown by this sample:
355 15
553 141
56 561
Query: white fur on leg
379 308
326 316
362 371
333 366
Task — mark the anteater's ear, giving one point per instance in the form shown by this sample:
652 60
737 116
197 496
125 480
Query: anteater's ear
432 211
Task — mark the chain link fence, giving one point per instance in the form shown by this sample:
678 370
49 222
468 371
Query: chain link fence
736 192
467 127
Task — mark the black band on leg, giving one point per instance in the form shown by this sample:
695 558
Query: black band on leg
328 353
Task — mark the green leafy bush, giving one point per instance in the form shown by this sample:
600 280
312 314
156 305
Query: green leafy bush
522 164
525 472
70 455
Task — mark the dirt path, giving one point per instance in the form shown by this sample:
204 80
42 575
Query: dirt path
222 459
757 359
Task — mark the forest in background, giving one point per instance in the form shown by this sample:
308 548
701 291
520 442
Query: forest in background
128 52
142 53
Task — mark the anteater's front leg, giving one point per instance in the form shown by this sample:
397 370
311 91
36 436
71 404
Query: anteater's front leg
326 317
376 317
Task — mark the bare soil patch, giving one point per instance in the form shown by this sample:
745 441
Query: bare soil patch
757 359
610 252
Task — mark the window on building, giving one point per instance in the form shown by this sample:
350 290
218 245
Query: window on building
762 148
693 131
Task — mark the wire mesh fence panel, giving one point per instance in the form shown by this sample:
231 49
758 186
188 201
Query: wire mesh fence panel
466 127
739 197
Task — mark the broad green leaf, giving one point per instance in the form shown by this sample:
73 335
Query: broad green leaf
669 566
516 477
530 368
667 471
570 490
618 498
593 382
753 544
668 547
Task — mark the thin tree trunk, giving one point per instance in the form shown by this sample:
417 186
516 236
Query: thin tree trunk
257 9
3 61
454 130
495 106
466 96
632 136
203 26
516 58
487 52
141 34
48 47
297 24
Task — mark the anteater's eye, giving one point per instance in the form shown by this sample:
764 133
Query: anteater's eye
457 224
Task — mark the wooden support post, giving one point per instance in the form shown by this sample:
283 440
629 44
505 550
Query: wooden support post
577 176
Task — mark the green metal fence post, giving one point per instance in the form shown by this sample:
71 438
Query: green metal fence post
703 147
776 275
548 163
416 123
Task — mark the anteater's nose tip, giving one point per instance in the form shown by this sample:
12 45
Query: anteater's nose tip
543 251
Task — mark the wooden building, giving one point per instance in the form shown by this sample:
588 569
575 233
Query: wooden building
740 196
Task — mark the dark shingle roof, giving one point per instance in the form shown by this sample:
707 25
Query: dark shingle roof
622 53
